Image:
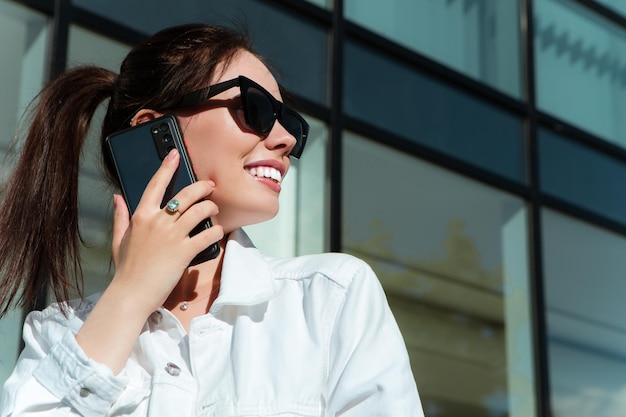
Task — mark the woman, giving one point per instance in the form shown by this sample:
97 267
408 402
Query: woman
239 335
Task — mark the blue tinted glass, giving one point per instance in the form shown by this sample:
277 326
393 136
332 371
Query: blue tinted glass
451 254
295 47
480 38
584 287
580 175
580 68
410 104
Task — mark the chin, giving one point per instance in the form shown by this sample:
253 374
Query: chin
262 217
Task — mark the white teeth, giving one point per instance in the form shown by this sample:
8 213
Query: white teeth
266 172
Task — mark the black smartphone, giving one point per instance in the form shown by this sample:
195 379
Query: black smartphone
137 154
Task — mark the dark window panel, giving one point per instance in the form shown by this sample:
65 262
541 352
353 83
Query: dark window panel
397 98
294 46
582 176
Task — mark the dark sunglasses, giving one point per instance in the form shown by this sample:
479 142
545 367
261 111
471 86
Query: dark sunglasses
260 109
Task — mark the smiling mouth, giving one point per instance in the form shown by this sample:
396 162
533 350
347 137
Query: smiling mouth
266 172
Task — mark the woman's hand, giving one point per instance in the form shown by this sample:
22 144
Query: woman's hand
151 251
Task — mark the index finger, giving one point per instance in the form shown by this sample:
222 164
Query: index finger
155 190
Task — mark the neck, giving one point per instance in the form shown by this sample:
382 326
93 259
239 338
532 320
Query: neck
198 287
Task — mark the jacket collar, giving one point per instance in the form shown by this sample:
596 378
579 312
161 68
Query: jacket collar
246 275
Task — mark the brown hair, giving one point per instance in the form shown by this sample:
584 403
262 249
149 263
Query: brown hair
39 233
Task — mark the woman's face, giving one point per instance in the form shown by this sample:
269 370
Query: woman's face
247 168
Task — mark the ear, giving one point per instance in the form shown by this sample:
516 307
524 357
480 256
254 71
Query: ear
144 115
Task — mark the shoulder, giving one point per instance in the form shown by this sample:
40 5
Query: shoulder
342 269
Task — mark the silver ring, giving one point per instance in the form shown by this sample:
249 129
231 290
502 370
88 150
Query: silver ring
172 206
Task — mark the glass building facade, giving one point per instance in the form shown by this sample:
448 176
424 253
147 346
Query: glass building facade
473 152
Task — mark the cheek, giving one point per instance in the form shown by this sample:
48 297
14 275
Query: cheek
197 158
202 151
213 160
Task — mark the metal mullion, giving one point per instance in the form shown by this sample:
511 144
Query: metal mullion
45 6
336 126
305 10
57 59
107 27
537 307
604 11
584 215
575 134
61 18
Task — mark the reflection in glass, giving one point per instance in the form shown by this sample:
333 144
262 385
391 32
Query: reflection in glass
479 38
412 105
23 42
299 228
297 48
452 257
582 176
584 287
580 68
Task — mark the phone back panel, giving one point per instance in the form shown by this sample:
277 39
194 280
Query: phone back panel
137 157
137 153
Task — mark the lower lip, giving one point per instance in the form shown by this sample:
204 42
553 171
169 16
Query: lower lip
270 183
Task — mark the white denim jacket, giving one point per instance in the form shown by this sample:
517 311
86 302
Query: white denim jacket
306 336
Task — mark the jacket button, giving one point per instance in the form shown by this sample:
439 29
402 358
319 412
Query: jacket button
84 392
172 369
156 317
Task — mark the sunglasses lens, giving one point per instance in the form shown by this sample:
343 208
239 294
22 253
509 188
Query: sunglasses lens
260 116
292 125
259 111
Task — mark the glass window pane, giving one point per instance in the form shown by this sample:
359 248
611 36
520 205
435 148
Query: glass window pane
580 68
23 42
296 47
96 208
410 104
582 176
584 287
478 38
301 224
452 256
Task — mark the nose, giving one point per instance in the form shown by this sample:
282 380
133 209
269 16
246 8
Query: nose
280 139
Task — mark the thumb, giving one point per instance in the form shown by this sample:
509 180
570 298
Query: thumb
121 221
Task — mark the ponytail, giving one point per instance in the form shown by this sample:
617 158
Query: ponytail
39 234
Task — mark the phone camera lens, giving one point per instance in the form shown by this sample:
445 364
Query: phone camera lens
163 127
155 130
167 138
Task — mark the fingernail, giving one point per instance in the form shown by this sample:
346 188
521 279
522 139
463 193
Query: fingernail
173 153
